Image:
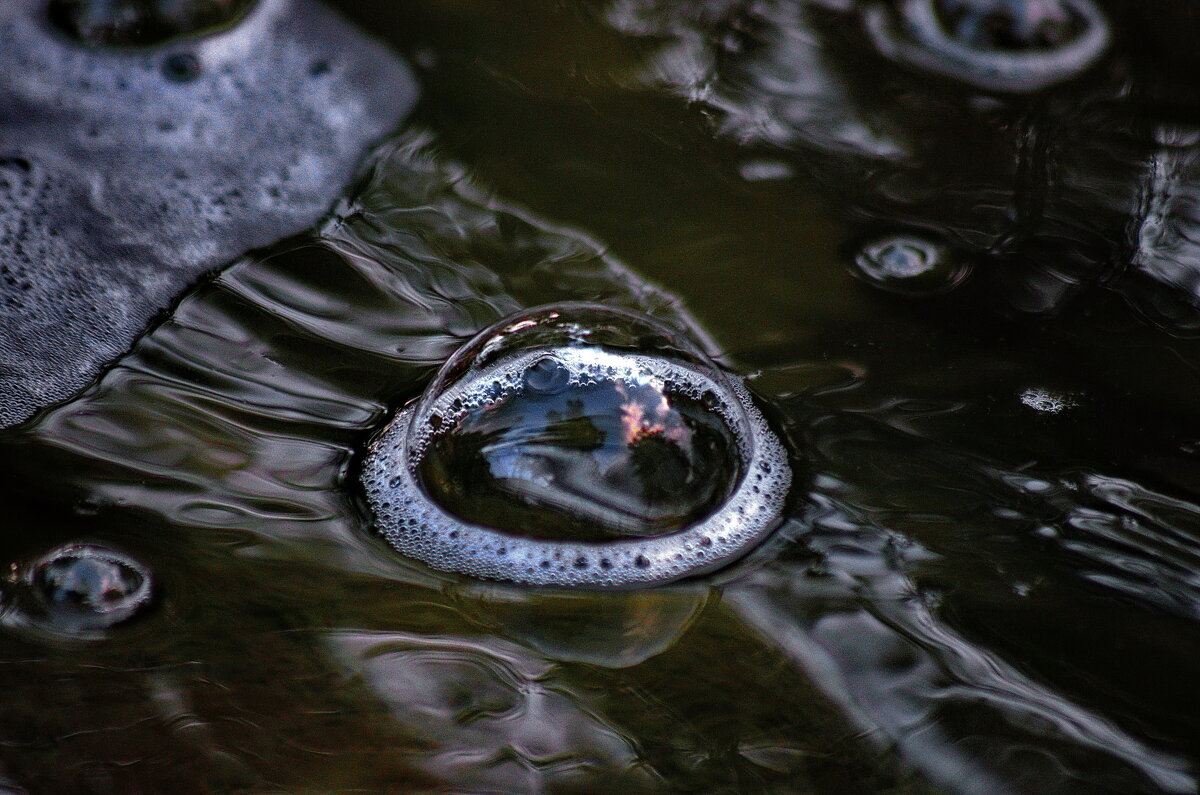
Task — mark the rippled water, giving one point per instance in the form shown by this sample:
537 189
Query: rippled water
986 578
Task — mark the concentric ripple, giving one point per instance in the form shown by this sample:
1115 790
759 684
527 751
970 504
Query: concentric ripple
576 445
909 265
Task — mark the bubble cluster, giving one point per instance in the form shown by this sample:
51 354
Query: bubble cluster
1047 402
576 445
81 590
996 45
909 265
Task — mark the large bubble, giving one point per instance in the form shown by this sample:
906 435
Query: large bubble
996 45
577 445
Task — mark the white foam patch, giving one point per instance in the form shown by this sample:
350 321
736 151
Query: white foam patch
420 528
120 186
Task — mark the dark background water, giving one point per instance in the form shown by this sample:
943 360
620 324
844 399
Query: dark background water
987 578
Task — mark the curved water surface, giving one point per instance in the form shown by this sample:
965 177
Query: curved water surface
971 592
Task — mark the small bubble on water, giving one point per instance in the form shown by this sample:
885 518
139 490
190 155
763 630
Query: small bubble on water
909 265
86 588
546 376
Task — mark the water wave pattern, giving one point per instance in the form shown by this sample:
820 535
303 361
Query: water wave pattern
1062 191
923 608
492 719
221 449
873 613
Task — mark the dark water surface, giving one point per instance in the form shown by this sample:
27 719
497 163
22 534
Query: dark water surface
987 578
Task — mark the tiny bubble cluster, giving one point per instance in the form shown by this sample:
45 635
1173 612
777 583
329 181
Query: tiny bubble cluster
1046 401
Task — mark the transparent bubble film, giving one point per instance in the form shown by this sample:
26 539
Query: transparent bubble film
576 445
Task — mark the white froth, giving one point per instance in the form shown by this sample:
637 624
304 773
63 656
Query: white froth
417 526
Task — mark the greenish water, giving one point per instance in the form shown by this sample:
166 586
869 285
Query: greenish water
986 577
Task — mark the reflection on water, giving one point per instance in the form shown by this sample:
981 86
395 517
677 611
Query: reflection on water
492 718
623 456
984 583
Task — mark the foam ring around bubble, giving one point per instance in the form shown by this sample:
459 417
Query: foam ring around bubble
415 525
917 38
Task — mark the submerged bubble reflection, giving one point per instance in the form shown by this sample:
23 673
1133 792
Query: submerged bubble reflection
578 445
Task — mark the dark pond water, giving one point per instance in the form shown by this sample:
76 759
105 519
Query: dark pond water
952 248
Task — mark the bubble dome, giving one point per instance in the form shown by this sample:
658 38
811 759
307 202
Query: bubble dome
577 445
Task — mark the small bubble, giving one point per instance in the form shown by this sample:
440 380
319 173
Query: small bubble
85 588
547 376
909 265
